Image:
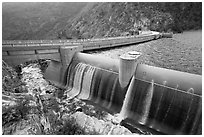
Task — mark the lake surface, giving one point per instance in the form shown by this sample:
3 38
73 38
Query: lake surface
189 37
183 52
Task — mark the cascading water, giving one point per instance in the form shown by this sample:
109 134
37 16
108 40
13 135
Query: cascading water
112 94
164 109
160 99
87 82
80 68
127 102
147 102
191 90
94 84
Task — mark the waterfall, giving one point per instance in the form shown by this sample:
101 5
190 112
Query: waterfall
172 100
127 101
157 106
191 90
147 103
86 83
80 68
112 94
96 85
197 123
160 98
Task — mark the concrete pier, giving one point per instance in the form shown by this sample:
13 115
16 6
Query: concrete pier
128 63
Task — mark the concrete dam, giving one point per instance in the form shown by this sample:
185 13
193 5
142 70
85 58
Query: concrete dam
167 101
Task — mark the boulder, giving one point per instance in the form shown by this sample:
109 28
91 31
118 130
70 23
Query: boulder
93 125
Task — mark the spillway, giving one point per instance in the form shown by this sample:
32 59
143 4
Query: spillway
162 108
167 101
96 85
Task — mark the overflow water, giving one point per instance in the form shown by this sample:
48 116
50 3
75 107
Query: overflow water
161 108
147 103
80 68
188 112
99 86
87 82
156 106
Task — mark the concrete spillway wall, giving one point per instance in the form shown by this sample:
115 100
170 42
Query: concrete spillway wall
164 100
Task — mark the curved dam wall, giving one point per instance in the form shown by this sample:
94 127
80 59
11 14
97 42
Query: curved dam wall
164 100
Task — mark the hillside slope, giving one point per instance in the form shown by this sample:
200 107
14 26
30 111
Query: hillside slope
93 20
116 19
36 20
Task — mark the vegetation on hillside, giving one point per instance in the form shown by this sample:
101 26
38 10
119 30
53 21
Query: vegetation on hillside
186 15
36 20
93 20
115 19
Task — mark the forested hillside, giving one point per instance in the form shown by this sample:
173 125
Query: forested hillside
93 20
115 19
36 20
